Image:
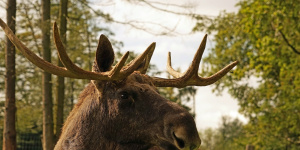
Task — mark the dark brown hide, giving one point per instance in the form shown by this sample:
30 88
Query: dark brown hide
127 114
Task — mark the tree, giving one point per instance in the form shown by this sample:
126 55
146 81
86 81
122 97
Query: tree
60 95
208 137
9 132
229 135
263 35
48 137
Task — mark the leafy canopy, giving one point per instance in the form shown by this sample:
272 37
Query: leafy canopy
264 37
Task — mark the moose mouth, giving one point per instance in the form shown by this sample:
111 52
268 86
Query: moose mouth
167 145
164 145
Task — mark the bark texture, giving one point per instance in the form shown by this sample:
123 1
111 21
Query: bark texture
48 135
60 95
9 131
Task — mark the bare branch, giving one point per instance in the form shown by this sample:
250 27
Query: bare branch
134 24
170 31
163 6
288 43
165 10
285 39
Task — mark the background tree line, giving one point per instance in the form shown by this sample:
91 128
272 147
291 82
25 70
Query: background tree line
263 35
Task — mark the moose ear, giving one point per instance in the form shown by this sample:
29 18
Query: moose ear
104 55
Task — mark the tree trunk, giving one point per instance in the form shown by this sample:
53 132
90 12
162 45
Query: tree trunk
60 80
9 131
48 135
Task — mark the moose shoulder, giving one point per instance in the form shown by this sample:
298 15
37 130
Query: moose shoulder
121 108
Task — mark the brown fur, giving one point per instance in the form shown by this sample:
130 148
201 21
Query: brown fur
139 122
125 115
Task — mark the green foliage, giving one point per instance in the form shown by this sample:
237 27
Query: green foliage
229 136
255 36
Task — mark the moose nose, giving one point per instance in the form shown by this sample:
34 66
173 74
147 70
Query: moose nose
181 130
184 142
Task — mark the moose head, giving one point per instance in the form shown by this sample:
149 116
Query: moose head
121 108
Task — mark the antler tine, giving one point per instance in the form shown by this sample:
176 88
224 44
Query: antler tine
116 70
191 77
134 64
36 60
213 78
148 58
63 56
62 51
170 69
71 70
194 67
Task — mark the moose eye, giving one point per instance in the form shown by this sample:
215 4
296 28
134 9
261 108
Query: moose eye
124 95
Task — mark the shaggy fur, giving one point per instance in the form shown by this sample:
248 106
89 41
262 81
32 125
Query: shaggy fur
125 115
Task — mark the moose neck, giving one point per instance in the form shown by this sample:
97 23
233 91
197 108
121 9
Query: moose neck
79 126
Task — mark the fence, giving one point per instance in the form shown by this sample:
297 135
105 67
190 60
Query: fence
29 141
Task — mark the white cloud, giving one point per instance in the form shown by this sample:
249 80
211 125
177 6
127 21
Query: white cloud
210 108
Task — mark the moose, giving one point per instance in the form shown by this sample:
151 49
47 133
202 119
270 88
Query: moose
121 107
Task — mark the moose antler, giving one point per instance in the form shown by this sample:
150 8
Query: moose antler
71 70
141 63
191 77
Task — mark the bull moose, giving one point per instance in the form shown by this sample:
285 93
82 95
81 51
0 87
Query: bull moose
121 107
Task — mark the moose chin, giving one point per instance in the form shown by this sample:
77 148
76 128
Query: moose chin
121 107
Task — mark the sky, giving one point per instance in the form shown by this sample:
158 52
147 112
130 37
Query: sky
209 107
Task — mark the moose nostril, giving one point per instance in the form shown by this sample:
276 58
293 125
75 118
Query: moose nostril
179 141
